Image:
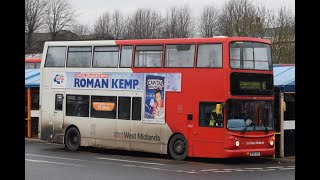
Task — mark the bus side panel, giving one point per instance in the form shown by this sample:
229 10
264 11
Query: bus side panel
84 126
46 111
150 137
134 135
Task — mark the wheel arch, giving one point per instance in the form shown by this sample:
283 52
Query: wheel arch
172 137
65 132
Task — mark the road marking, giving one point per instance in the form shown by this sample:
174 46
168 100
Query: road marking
222 171
209 170
50 162
129 165
182 171
243 170
154 168
111 159
275 167
231 169
160 169
267 169
291 166
192 172
254 168
55 157
286 168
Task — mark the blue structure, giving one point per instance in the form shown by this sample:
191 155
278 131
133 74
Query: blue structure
284 77
284 81
32 78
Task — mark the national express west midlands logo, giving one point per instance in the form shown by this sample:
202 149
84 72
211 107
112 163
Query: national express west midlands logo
58 79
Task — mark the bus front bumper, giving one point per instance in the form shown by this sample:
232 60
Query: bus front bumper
230 153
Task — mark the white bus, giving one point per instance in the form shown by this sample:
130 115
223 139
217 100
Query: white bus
88 97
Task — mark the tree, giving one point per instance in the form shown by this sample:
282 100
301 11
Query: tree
127 29
156 25
117 25
283 36
208 24
59 14
178 23
144 24
34 10
242 18
81 30
102 27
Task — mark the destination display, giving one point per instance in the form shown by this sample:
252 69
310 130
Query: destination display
251 84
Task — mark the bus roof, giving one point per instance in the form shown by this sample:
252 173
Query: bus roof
219 39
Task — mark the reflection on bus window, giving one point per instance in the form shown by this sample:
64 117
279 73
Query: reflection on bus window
148 56
259 112
249 55
124 108
59 102
209 55
136 108
56 57
126 56
77 105
181 55
79 57
106 57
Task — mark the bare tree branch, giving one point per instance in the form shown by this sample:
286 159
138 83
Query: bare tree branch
117 25
208 24
242 18
282 35
102 27
144 24
80 29
34 10
179 23
58 15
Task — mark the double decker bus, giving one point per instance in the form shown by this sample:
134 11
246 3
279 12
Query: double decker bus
32 61
196 97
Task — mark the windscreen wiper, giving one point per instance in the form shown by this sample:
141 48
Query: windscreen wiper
266 129
248 122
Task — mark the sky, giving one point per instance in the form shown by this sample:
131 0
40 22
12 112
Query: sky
90 10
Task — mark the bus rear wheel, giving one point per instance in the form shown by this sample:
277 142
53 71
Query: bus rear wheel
73 139
178 147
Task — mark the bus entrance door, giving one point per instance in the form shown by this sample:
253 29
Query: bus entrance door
58 115
207 132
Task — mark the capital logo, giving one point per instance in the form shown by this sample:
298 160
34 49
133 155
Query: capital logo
58 79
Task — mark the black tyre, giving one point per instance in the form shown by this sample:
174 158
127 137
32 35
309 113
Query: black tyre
73 139
178 147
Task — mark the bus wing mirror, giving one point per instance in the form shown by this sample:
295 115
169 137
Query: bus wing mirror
218 109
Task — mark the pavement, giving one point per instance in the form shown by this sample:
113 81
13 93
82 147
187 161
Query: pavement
289 159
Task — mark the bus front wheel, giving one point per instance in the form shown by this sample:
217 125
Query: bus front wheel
178 147
73 139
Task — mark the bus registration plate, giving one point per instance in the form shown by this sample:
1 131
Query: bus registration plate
255 154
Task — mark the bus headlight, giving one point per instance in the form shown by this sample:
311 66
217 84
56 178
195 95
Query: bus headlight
271 142
237 143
